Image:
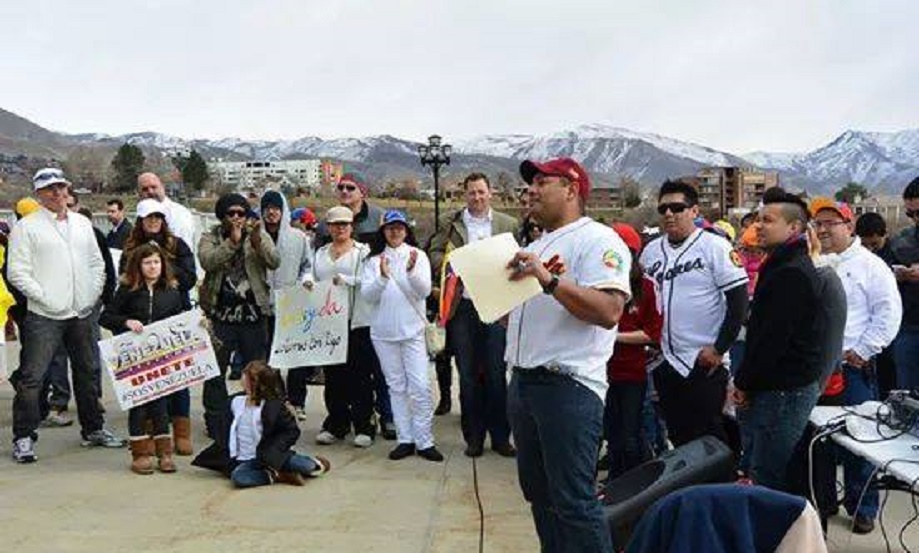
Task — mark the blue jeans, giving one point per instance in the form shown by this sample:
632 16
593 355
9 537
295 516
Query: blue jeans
906 358
861 386
651 421
55 394
622 419
479 351
557 424
772 425
250 474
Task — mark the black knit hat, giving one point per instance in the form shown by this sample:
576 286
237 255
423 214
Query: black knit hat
272 198
227 201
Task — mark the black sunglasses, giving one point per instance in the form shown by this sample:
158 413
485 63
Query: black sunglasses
675 207
236 213
348 187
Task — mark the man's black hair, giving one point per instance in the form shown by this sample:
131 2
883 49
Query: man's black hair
117 202
679 187
912 190
793 207
870 224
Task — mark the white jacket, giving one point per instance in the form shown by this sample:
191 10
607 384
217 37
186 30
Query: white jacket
874 307
349 268
181 223
394 317
60 272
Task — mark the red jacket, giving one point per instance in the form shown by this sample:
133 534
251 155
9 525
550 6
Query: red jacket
628 361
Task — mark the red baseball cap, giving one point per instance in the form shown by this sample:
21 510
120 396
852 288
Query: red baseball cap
561 167
629 235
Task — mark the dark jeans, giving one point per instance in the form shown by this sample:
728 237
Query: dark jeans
906 356
861 386
249 341
824 465
250 474
692 405
349 388
479 350
622 420
773 424
557 425
297 388
443 367
40 338
156 412
652 422
55 394
179 403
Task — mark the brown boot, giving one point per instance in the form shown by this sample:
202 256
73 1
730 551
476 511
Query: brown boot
164 453
292 478
181 432
141 455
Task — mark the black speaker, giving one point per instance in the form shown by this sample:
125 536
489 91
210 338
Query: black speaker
703 461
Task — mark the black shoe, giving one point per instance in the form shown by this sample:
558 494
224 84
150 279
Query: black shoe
505 450
444 406
402 451
474 450
431 454
388 431
863 525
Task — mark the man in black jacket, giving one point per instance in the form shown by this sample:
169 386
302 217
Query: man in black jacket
777 384
121 227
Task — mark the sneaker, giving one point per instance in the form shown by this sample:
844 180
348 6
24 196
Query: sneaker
23 450
56 419
363 440
326 438
431 454
300 413
102 438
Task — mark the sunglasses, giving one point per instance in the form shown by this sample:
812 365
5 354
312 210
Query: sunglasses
236 213
348 187
675 207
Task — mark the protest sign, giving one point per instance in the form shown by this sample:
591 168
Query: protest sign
168 356
311 326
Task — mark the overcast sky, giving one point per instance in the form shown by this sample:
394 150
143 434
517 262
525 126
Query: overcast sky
737 76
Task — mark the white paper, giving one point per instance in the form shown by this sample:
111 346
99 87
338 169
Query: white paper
482 266
311 326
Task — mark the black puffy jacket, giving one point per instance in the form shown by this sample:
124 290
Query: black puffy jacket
141 305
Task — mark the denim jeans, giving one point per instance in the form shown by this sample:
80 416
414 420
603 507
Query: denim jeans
773 425
626 448
557 424
156 412
906 358
652 422
179 403
40 338
479 350
692 405
248 340
250 474
55 394
861 386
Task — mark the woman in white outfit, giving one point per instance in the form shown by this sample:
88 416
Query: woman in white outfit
396 280
348 387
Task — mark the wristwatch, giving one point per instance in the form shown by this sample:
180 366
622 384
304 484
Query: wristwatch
549 287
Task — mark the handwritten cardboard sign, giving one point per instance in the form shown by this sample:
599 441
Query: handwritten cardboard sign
311 326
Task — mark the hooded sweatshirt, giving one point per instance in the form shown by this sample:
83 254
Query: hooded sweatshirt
293 248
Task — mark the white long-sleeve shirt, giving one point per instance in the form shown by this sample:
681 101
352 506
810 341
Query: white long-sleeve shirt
348 267
874 307
395 317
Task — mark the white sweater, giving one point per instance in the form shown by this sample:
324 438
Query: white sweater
394 318
874 308
348 267
58 267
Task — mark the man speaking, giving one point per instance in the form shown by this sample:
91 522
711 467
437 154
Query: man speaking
558 344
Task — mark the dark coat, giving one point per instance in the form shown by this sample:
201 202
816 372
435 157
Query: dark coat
279 434
183 267
136 304
118 236
111 278
783 335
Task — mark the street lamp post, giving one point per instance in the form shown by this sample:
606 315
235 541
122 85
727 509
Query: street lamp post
435 154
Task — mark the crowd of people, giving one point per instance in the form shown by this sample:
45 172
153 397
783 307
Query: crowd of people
644 342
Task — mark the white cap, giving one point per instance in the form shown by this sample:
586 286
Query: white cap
148 207
47 177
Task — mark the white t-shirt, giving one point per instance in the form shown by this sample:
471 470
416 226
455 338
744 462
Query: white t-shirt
246 430
541 332
691 280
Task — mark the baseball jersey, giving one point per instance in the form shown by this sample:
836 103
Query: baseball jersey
691 280
541 332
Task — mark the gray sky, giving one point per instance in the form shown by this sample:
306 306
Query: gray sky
733 75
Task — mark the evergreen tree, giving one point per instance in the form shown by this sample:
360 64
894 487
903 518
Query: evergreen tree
127 164
850 192
194 171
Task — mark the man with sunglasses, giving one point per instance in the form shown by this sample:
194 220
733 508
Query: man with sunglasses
873 315
905 253
56 263
353 193
703 291
236 255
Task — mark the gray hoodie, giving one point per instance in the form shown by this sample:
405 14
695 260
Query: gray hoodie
294 249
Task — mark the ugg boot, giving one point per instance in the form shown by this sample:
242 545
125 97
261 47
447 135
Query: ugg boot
164 453
141 455
181 432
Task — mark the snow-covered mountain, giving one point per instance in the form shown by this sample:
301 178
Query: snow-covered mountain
885 161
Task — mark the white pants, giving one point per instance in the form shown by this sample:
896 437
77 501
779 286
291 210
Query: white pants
405 366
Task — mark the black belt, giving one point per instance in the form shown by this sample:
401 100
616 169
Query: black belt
541 370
